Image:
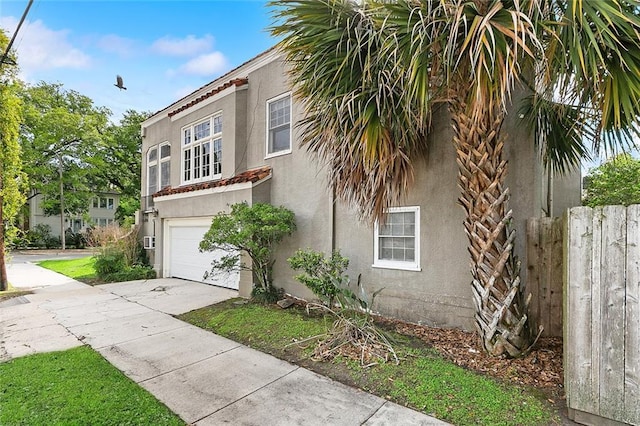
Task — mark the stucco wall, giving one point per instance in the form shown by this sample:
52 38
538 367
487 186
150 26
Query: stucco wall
438 294
297 182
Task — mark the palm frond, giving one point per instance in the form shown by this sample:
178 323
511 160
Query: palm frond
558 131
595 58
358 117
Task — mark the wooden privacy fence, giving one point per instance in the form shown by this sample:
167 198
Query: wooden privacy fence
544 273
602 314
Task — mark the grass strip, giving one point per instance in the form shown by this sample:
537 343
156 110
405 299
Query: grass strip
423 380
81 269
75 387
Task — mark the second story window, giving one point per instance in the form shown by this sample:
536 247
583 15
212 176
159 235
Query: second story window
158 167
152 171
279 125
202 150
165 165
103 203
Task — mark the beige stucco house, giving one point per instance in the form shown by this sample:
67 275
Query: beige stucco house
235 140
101 212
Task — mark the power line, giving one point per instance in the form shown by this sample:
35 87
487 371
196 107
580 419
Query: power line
5 59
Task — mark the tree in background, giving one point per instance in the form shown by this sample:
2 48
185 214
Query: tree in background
11 176
371 74
61 133
116 162
616 181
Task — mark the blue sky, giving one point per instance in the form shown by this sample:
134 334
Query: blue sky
162 49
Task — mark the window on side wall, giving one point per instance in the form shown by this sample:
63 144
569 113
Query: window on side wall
202 150
152 171
279 125
165 165
397 240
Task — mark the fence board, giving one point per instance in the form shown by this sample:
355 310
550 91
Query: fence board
554 303
594 322
544 273
602 314
612 299
632 318
546 244
577 347
533 268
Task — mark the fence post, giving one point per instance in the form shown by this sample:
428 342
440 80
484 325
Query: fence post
632 318
578 261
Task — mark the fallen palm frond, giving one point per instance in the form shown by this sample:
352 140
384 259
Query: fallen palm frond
355 336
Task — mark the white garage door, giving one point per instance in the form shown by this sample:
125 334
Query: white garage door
186 261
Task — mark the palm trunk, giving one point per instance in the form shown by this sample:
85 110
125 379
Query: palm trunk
498 294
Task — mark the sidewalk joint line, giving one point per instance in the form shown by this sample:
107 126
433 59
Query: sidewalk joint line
190 364
250 393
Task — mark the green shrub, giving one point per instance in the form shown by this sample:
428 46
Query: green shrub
40 237
325 277
75 239
136 272
254 230
269 295
109 261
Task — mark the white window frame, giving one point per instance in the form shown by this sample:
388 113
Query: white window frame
269 102
211 139
149 165
396 264
104 203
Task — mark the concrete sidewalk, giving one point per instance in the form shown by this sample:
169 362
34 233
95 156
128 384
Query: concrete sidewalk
204 378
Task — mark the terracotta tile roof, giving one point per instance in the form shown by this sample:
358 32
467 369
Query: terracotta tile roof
252 176
235 82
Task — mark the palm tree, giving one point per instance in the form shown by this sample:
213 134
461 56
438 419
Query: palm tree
371 75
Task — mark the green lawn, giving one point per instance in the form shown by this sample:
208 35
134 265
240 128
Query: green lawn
81 269
75 387
423 380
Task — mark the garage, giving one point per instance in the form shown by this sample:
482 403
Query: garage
182 240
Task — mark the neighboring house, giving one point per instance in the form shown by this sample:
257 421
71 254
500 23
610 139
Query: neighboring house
235 140
101 212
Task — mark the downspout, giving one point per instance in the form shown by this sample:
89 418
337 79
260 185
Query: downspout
333 217
549 192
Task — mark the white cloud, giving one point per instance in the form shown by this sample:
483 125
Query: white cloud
188 46
121 46
204 65
41 48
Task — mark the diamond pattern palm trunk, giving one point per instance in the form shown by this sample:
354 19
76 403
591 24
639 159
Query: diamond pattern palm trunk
498 294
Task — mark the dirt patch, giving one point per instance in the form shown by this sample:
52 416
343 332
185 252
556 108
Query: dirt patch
541 369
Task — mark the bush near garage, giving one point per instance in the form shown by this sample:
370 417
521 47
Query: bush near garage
119 255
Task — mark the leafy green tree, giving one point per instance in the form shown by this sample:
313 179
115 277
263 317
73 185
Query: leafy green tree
118 155
11 176
61 133
616 181
253 230
116 162
371 74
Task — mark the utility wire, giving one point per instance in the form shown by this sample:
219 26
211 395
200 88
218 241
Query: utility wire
5 59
